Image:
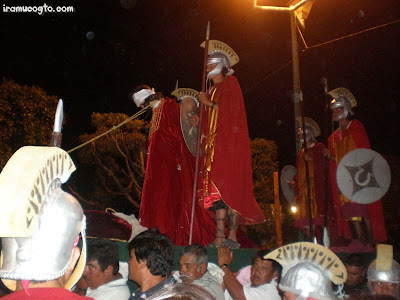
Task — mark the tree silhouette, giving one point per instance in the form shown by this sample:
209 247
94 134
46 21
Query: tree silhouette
26 117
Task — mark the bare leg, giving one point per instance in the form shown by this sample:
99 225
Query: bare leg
359 230
306 231
233 224
220 217
368 229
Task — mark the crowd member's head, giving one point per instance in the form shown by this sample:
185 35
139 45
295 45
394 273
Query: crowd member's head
151 254
264 270
356 269
182 291
384 281
40 224
102 263
193 263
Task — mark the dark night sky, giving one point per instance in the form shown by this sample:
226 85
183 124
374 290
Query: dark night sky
157 42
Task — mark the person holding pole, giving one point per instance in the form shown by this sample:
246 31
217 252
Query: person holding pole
225 181
167 187
314 155
366 219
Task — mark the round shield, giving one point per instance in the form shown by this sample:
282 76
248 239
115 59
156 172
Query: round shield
363 176
189 108
287 174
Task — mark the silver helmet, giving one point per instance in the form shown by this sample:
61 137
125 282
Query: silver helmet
384 275
221 54
39 223
311 127
344 99
306 279
221 60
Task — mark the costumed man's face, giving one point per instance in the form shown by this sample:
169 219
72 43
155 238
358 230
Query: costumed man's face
354 275
211 67
336 112
189 270
384 288
261 272
93 274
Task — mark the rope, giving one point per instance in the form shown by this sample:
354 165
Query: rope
112 129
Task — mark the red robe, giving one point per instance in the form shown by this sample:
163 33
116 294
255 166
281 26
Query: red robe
316 168
167 189
227 173
354 137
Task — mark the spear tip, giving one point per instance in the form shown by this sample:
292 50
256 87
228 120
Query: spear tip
208 31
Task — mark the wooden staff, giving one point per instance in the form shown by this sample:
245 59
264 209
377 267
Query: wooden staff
325 237
307 170
201 108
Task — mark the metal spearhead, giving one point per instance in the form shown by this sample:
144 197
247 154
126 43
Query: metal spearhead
57 135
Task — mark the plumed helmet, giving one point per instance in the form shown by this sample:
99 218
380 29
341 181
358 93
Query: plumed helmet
343 98
221 54
308 269
311 127
391 275
39 223
306 279
181 93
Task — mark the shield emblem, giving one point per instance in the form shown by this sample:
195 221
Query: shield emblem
287 174
363 176
189 107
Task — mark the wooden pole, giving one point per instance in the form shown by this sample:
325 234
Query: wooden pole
278 211
201 108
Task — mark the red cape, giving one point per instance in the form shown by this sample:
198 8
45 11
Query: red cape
354 137
317 186
167 190
230 176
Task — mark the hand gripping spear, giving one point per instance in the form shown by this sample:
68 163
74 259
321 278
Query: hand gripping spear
201 108
56 136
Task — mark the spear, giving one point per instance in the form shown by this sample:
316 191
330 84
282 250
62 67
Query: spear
307 168
56 136
201 108
325 239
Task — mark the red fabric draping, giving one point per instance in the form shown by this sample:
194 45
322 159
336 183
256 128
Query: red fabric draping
230 176
317 186
168 185
106 225
340 143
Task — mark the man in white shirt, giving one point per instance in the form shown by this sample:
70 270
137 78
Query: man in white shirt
194 268
105 279
265 274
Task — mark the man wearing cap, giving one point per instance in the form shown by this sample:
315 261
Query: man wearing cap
314 157
226 184
367 219
168 184
40 226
